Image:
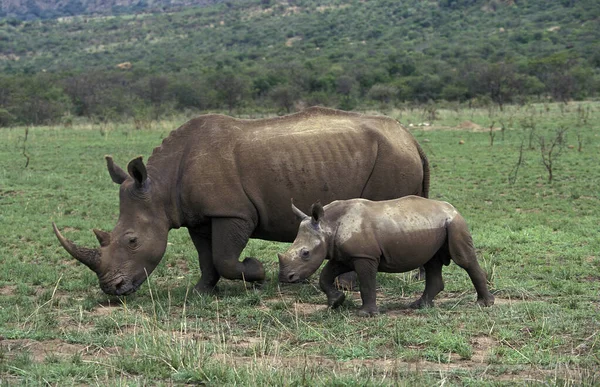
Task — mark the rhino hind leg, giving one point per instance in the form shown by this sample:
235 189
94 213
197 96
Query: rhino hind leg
347 281
462 251
229 237
434 283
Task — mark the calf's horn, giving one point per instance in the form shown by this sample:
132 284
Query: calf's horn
297 211
89 257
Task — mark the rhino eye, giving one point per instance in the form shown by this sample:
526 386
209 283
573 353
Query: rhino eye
132 240
304 253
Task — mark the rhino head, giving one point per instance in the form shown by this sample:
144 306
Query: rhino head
134 248
309 249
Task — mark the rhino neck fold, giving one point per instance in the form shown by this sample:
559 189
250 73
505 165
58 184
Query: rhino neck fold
330 238
165 185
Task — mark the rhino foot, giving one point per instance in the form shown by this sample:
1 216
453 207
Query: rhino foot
336 300
486 301
420 304
208 290
368 311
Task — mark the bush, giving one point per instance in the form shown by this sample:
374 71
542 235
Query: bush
6 119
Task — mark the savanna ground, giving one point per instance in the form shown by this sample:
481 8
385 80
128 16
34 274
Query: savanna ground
537 240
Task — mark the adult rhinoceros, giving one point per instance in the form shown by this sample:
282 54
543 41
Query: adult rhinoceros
228 180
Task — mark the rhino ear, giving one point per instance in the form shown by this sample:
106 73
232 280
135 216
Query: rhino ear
137 170
317 212
116 173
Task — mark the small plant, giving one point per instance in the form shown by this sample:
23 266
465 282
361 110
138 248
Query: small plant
529 126
551 149
512 176
492 133
24 149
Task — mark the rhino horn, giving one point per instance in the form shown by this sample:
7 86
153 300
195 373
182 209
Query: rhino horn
117 174
102 236
297 212
89 257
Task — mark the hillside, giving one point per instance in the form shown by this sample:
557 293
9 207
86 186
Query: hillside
341 53
46 9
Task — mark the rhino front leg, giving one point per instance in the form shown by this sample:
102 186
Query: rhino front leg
331 270
210 276
229 237
366 268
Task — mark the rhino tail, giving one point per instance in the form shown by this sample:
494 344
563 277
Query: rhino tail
425 162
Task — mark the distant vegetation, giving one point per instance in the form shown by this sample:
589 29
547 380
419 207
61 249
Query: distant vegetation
267 55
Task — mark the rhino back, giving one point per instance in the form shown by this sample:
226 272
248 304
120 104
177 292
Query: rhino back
403 233
252 168
321 158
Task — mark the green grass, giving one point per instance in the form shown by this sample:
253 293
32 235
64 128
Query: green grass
538 241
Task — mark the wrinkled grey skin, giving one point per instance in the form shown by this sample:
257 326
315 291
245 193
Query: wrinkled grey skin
391 236
227 180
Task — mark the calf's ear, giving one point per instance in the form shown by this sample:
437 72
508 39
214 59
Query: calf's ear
116 173
317 212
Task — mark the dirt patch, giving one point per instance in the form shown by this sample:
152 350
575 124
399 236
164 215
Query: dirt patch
10 193
392 367
40 350
290 42
306 309
469 125
482 347
9 290
463 126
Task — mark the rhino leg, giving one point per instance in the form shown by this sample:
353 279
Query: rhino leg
331 270
229 237
347 281
210 276
419 275
434 283
462 251
366 269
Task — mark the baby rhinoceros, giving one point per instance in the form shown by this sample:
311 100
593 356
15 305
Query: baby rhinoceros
392 236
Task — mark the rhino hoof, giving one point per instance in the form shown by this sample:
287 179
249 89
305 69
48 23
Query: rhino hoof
208 290
420 304
488 301
368 312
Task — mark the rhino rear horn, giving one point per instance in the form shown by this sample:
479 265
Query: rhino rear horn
89 257
301 215
103 237
117 174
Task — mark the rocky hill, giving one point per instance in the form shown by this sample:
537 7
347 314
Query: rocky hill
44 9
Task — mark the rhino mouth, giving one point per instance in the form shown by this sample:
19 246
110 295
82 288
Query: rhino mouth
291 278
121 286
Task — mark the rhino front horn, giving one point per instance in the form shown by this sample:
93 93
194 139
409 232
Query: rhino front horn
89 257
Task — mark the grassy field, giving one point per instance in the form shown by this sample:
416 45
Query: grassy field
538 241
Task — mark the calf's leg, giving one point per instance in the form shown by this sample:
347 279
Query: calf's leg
366 269
331 270
434 283
460 244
